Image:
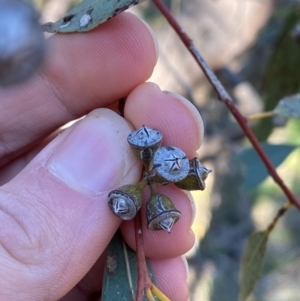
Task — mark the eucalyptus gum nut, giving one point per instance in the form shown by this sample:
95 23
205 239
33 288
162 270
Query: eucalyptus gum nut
196 177
161 213
144 142
190 183
126 201
170 165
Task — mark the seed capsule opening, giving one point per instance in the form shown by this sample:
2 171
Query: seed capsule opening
161 213
167 224
120 206
170 165
126 201
145 138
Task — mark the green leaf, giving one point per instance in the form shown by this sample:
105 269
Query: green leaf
289 106
251 264
88 14
120 273
282 72
256 171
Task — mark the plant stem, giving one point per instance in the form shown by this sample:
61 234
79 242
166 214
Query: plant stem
143 183
144 281
153 188
149 295
279 214
261 115
141 260
225 97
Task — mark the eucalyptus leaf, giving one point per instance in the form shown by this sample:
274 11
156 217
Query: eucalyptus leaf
255 170
251 264
289 106
88 14
281 71
120 273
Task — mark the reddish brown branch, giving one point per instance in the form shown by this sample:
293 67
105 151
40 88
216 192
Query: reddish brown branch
225 97
143 278
144 281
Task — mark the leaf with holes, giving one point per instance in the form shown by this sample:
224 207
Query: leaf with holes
251 264
289 106
120 273
88 14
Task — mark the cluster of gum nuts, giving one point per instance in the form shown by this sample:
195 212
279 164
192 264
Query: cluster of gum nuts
162 165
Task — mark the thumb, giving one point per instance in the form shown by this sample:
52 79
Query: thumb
54 214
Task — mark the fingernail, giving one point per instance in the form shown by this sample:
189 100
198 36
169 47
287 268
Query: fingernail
154 39
193 110
91 157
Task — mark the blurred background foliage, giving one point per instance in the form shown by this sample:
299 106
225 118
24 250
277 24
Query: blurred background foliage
254 47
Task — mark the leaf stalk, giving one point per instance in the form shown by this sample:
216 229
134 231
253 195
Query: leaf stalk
261 115
279 214
149 295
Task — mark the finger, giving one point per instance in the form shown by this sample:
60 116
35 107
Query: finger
178 120
183 119
160 244
55 217
91 284
181 126
10 170
82 72
171 276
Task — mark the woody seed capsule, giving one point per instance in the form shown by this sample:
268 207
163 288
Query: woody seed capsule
161 213
144 142
196 177
126 201
170 165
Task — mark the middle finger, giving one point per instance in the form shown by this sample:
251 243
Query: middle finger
182 126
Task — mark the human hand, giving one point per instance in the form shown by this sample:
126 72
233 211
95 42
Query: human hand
54 214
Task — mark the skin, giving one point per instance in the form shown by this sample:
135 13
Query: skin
53 207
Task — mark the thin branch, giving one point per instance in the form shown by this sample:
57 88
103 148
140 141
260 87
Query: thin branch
225 97
141 260
144 281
